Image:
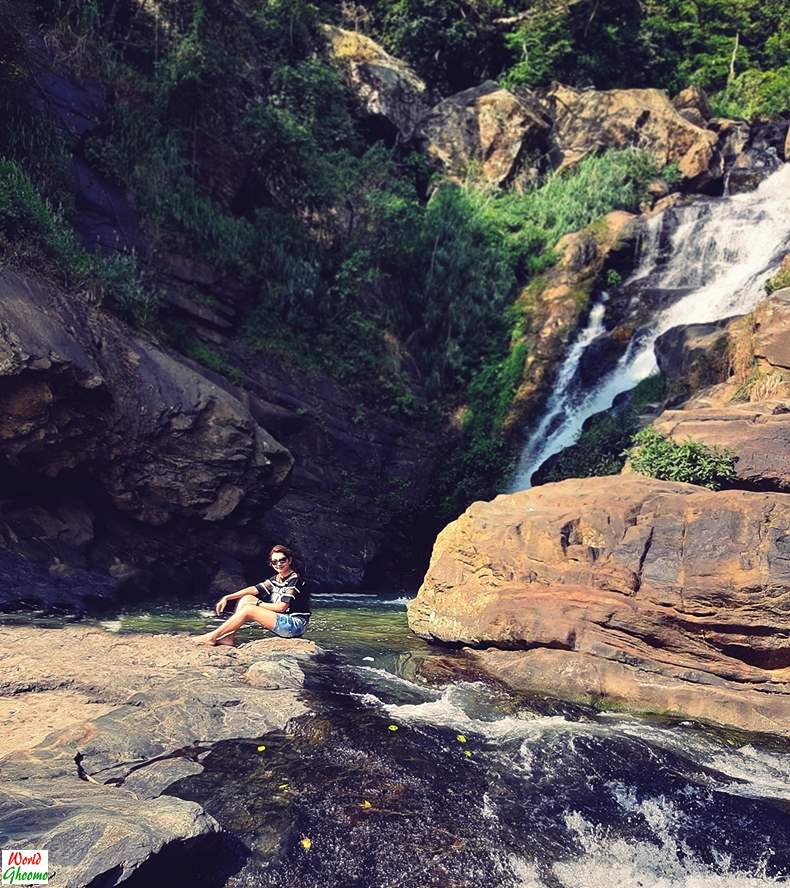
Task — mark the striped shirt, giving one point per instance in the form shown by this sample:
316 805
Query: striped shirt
290 591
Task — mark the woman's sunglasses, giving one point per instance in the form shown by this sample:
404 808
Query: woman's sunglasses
277 561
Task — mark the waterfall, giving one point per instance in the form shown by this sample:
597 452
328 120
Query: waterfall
721 252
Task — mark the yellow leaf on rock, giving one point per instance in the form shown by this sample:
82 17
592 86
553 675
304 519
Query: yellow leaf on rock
392 727
306 843
460 738
365 804
467 753
261 748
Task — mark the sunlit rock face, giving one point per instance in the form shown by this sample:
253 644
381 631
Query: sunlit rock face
647 594
587 120
385 87
745 406
485 131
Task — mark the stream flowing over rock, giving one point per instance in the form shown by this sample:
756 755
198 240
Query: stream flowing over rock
96 726
651 595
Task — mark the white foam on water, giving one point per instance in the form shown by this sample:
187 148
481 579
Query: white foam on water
763 774
111 625
666 862
367 699
525 873
755 773
722 251
448 711
383 676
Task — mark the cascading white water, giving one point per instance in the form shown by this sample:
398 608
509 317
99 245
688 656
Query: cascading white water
722 252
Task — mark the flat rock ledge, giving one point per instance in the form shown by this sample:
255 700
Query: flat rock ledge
96 726
624 592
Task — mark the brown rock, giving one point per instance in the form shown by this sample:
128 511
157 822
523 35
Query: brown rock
588 120
383 85
124 713
693 97
162 439
771 339
694 355
486 128
148 437
645 594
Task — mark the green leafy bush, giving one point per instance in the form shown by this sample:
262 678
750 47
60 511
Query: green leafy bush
690 461
756 94
778 282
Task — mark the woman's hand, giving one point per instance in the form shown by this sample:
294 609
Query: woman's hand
221 604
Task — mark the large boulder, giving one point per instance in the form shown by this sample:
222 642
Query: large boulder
694 355
757 434
97 726
693 99
624 591
745 364
385 87
586 121
485 129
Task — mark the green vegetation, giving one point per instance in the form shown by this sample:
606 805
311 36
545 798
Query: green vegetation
689 461
238 143
531 224
779 281
755 94
213 360
734 47
32 232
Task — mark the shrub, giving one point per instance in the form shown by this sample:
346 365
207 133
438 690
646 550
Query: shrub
755 94
779 281
206 356
690 461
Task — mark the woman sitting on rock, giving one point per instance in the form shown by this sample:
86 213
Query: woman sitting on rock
280 604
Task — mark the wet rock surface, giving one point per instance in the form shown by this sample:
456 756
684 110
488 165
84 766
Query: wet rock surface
132 714
651 595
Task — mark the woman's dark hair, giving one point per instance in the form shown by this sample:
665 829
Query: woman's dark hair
283 550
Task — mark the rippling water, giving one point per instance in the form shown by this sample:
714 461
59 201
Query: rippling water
476 787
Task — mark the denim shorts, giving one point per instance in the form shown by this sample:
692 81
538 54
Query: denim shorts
289 627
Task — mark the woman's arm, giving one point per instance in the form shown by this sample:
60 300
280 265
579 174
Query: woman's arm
280 608
223 602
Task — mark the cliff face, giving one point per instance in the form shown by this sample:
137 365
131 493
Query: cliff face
127 470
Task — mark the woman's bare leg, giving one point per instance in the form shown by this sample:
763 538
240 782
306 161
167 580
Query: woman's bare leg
244 601
246 614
